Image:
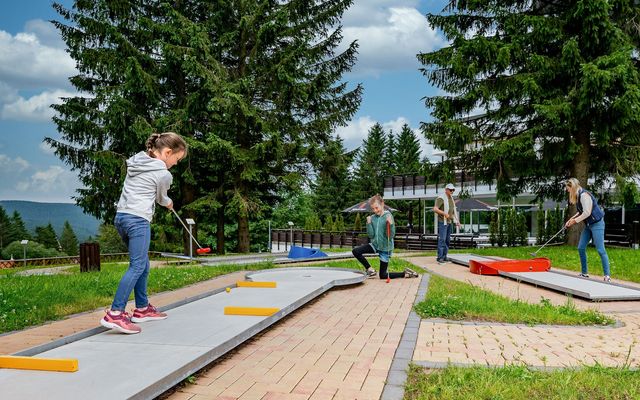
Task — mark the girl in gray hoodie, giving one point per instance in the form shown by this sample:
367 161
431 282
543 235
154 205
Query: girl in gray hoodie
147 181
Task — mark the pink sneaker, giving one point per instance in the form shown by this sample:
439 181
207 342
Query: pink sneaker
121 323
148 314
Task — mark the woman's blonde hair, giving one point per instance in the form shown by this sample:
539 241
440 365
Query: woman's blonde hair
574 186
166 140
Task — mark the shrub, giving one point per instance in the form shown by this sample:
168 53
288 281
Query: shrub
34 250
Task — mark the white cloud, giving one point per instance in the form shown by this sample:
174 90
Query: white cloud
12 165
356 131
7 93
46 33
395 125
373 12
45 148
36 108
52 180
392 42
28 63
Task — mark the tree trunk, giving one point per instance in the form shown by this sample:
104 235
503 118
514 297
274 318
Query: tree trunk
220 230
243 232
579 170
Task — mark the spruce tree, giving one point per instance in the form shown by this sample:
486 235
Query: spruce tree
407 152
109 240
370 167
555 86
68 240
253 86
46 235
5 229
390 154
18 231
333 183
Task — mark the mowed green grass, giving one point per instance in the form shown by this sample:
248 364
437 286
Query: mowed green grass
32 300
450 299
517 383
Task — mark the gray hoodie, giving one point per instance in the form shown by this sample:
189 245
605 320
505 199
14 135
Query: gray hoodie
146 183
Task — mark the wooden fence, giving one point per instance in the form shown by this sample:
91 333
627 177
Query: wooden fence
282 239
67 260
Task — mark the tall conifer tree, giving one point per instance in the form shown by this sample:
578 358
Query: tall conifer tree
556 85
46 236
370 163
5 228
69 240
333 183
253 85
407 153
18 230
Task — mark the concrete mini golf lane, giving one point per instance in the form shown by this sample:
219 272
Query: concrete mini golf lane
117 366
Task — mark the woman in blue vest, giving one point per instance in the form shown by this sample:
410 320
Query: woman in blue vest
593 217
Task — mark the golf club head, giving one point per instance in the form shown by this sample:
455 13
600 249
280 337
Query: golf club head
533 254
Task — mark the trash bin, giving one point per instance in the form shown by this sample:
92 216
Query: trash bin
89 257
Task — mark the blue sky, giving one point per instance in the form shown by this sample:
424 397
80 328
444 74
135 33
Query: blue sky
35 68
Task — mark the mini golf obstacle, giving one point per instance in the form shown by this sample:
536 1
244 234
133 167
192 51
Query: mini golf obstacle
197 332
537 271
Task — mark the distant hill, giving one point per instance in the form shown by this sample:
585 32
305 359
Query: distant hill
39 214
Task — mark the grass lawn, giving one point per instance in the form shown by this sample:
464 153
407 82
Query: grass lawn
515 382
32 300
450 299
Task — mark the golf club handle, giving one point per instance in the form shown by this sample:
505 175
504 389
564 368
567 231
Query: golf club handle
557 233
185 227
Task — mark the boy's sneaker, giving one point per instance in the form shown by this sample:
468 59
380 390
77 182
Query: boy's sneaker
583 275
607 279
409 273
371 273
121 323
148 314
440 261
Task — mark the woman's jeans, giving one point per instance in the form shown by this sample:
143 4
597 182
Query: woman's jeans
136 233
444 238
595 232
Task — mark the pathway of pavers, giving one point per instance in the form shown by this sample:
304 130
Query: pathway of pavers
441 342
168 351
339 347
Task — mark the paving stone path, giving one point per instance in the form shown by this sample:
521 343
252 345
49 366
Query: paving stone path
441 342
342 345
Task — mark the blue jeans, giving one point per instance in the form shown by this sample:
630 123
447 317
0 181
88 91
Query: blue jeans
595 232
444 238
136 233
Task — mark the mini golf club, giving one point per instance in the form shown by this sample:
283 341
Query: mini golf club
534 254
200 249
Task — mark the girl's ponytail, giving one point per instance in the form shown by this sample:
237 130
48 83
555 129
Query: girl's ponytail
151 141
170 140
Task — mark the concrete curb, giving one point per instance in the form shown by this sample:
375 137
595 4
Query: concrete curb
394 385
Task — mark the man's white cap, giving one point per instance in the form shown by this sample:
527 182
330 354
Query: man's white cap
450 186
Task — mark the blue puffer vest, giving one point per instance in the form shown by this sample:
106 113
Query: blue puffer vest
596 212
